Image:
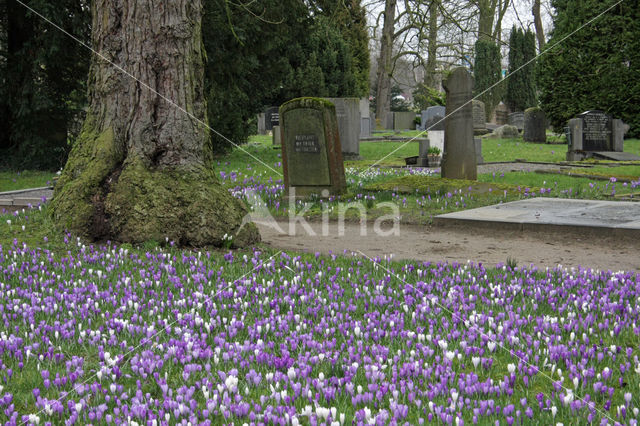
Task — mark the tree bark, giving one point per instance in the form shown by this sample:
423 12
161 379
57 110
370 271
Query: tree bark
385 63
537 22
432 46
140 170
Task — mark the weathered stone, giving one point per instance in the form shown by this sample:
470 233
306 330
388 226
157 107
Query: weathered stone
404 120
311 149
479 115
478 145
262 130
436 138
594 132
348 115
501 114
506 132
459 159
423 150
365 127
277 138
271 118
535 126
433 118
388 125
517 119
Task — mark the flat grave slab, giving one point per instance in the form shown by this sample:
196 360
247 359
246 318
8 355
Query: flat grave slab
606 217
617 156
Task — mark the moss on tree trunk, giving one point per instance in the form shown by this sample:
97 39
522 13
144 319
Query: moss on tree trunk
141 168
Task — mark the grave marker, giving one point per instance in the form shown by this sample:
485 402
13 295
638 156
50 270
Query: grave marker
271 118
479 117
404 120
311 150
517 119
459 158
535 126
594 133
433 118
349 125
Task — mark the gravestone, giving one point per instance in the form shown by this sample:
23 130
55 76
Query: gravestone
365 118
348 114
478 145
311 151
479 117
506 131
372 116
423 150
459 158
535 126
501 114
404 120
262 130
276 136
433 118
436 138
365 127
594 132
271 118
517 119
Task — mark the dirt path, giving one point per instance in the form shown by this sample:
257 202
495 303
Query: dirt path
438 244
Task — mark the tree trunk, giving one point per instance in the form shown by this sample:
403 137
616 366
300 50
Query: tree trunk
486 15
537 21
140 169
385 63
432 46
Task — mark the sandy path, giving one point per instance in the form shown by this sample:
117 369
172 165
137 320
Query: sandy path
437 244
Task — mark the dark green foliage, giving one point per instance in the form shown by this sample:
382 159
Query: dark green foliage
265 53
521 92
425 96
350 18
486 73
45 71
597 67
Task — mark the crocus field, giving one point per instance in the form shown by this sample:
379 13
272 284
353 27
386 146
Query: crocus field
112 334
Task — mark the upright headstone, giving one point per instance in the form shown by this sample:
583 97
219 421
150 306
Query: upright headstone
479 117
349 125
262 129
271 118
478 144
594 131
517 119
535 126
277 138
459 158
373 121
501 114
365 118
436 138
404 120
311 151
423 151
432 118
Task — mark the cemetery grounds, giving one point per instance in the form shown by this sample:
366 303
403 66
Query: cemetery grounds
107 333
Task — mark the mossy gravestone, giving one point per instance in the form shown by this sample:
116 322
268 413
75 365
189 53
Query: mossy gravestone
534 126
459 159
311 149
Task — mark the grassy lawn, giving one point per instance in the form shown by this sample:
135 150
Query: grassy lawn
10 181
494 150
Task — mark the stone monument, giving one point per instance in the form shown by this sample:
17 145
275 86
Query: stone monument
262 130
271 118
459 158
595 133
479 117
432 118
535 126
349 125
501 114
311 150
365 118
404 120
517 119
